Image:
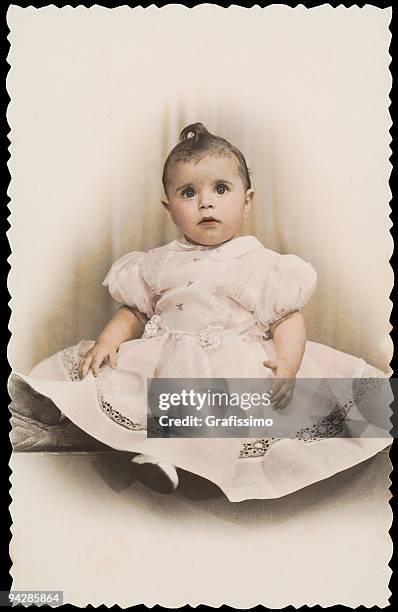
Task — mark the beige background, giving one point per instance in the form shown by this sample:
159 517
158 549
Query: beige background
98 98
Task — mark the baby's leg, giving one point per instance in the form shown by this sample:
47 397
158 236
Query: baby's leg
156 474
29 403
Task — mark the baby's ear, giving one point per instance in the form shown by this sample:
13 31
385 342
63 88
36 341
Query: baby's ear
166 204
248 200
249 195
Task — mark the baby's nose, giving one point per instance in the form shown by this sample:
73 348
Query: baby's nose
206 202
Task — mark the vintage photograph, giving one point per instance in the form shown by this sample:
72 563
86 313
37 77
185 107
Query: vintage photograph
199 204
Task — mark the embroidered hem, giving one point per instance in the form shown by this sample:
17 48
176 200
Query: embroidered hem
71 365
326 427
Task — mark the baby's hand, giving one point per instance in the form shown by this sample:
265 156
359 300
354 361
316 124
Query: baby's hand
94 358
281 391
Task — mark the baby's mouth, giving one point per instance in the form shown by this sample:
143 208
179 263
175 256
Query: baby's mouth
208 220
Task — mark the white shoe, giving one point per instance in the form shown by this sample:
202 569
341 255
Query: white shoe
156 474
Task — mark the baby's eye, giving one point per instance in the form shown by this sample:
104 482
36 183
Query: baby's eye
189 190
223 187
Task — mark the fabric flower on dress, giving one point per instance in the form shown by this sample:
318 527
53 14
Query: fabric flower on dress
153 327
210 337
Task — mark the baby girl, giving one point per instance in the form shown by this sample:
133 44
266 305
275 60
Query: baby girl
209 304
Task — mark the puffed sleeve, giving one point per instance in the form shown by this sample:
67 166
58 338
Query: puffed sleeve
278 286
126 283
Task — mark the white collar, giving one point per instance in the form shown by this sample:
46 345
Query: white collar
233 248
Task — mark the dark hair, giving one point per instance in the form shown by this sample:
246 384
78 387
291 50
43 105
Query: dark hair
202 143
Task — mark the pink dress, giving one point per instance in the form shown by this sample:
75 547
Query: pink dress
210 311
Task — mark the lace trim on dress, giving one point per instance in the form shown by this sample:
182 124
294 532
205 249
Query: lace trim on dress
71 365
327 427
112 413
369 383
257 448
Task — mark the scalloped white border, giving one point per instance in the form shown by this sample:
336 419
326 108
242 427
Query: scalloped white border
237 8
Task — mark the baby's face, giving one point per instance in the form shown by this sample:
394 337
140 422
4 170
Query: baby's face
207 199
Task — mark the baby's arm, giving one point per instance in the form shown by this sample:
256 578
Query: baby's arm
289 339
124 325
